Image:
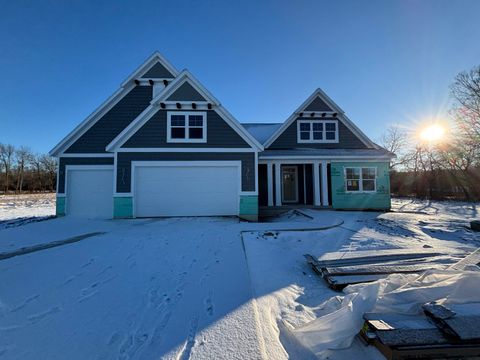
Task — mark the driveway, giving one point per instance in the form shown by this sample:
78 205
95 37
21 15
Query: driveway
172 288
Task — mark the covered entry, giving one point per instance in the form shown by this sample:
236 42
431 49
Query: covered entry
283 183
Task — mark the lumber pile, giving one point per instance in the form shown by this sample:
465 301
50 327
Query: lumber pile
440 333
340 269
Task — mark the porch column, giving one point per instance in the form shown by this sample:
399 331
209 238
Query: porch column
324 184
269 184
278 184
316 183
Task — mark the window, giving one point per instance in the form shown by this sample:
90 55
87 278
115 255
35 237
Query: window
186 127
359 179
317 131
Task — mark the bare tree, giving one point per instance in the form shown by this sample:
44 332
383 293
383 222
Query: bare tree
395 140
49 166
24 157
7 153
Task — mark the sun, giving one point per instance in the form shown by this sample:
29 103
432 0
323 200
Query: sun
432 133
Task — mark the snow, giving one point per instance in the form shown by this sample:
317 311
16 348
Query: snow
198 288
20 209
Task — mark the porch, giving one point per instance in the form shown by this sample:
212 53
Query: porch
287 184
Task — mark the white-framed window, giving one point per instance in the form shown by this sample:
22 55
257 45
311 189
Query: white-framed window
186 126
317 131
361 179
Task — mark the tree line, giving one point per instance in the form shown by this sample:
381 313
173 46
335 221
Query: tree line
21 170
443 169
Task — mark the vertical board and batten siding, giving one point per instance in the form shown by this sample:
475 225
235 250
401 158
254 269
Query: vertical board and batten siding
113 122
124 165
78 161
379 200
154 134
186 92
346 138
158 71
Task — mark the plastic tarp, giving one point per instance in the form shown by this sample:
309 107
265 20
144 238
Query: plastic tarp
398 293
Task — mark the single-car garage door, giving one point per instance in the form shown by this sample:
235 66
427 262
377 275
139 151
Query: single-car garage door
90 192
189 189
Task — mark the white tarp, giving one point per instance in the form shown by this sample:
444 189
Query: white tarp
398 293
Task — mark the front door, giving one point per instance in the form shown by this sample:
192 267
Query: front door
289 184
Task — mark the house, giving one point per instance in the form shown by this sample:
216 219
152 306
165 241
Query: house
163 145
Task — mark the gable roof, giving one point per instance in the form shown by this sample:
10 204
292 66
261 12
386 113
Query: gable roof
184 77
261 131
127 85
316 99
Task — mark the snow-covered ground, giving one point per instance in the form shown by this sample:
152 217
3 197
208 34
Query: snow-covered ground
199 288
20 209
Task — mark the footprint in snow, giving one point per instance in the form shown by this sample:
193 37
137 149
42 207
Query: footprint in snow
25 303
209 304
37 317
190 343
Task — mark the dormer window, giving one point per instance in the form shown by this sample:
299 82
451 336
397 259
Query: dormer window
186 127
317 131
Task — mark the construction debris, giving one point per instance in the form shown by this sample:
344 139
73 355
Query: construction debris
340 269
441 333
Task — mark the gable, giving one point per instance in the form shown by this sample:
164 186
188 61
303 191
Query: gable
186 92
318 104
158 71
153 134
98 136
346 138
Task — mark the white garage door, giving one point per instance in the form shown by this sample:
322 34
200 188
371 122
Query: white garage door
186 190
90 192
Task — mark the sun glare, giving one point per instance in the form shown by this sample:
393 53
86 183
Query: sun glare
432 133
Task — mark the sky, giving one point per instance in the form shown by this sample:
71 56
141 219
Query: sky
383 62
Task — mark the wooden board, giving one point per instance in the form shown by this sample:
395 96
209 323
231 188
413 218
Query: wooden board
469 260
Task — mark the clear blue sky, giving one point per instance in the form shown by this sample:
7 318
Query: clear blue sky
383 62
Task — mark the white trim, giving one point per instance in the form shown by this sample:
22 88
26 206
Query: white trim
324 139
255 170
149 63
187 150
270 184
58 177
86 155
309 159
117 194
324 184
316 183
91 119
360 180
278 184
154 107
296 185
186 127
340 115
109 103
304 185
219 163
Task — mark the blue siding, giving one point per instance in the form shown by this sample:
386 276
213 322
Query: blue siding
288 139
113 122
154 134
78 161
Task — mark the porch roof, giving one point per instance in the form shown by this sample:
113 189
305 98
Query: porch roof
306 153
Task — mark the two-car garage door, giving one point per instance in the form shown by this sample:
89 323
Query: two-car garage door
186 189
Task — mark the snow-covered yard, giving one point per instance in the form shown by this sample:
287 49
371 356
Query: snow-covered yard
198 288
19 209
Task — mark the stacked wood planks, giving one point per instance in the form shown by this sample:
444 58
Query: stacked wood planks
340 269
